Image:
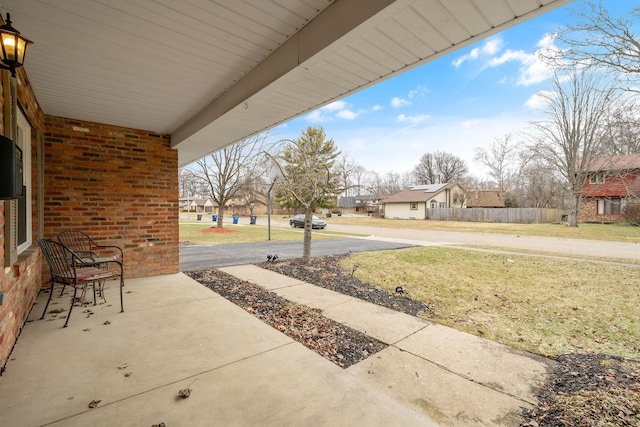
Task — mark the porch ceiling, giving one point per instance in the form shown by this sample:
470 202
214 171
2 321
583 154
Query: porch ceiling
211 72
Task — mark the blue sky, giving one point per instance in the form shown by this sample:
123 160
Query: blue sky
459 102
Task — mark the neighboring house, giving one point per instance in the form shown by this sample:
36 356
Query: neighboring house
360 204
612 182
413 202
484 199
203 205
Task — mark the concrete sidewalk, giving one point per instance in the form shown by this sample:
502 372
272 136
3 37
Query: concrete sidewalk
452 377
174 334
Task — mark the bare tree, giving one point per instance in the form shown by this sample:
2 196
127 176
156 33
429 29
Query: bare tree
309 179
622 131
569 137
439 168
345 167
603 41
500 158
227 170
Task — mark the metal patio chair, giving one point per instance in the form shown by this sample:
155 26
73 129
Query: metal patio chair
68 268
92 253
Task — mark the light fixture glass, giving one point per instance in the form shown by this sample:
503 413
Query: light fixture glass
13 47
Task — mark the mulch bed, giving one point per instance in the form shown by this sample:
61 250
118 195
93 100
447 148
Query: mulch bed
589 390
326 272
334 341
583 390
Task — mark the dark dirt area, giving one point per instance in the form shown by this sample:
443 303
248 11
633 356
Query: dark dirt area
584 389
589 390
327 273
338 343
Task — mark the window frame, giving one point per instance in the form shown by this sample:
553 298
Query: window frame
609 206
413 206
596 178
23 139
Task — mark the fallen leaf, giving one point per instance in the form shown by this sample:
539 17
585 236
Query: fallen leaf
86 330
128 374
123 365
56 311
184 393
107 323
94 403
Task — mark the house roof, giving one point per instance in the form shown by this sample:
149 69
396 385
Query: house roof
484 199
417 193
213 72
616 163
348 202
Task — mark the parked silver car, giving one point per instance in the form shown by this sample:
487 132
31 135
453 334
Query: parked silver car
298 221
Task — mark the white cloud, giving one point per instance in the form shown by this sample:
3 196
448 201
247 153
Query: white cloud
336 109
538 100
534 69
418 91
490 47
414 120
397 102
347 114
355 145
316 117
334 106
468 124
376 107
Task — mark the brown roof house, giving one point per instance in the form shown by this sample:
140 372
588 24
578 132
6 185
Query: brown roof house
413 202
611 184
485 199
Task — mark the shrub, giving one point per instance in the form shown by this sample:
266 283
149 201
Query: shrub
631 213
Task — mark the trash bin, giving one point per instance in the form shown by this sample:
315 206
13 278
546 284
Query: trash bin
235 219
214 218
339 213
199 217
329 215
252 220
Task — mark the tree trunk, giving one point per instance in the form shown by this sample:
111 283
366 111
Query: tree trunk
574 205
220 217
306 247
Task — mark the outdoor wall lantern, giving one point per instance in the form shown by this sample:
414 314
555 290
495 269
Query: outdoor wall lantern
13 47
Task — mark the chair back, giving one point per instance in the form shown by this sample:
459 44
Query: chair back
78 242
61 260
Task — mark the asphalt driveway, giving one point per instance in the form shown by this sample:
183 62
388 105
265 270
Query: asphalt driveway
198 257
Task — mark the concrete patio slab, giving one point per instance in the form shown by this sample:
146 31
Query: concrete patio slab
265 278
175 333
486 362
447 398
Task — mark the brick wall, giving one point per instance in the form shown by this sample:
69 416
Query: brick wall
589 212
21 281
119 185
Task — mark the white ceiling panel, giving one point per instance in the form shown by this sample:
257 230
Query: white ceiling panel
211 72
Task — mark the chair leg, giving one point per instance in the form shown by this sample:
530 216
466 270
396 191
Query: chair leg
73 301
48 300
121 300
64 285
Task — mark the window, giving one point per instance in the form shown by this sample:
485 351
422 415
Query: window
413 206
443 205
434 204
596 178
609 206
23 139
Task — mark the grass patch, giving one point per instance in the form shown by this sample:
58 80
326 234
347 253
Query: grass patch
200 233
542 305
615 232
552 254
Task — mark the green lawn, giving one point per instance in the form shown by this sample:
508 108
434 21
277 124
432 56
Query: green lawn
614 232
203 234
542 305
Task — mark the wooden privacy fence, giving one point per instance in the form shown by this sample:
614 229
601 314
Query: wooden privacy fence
512 215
